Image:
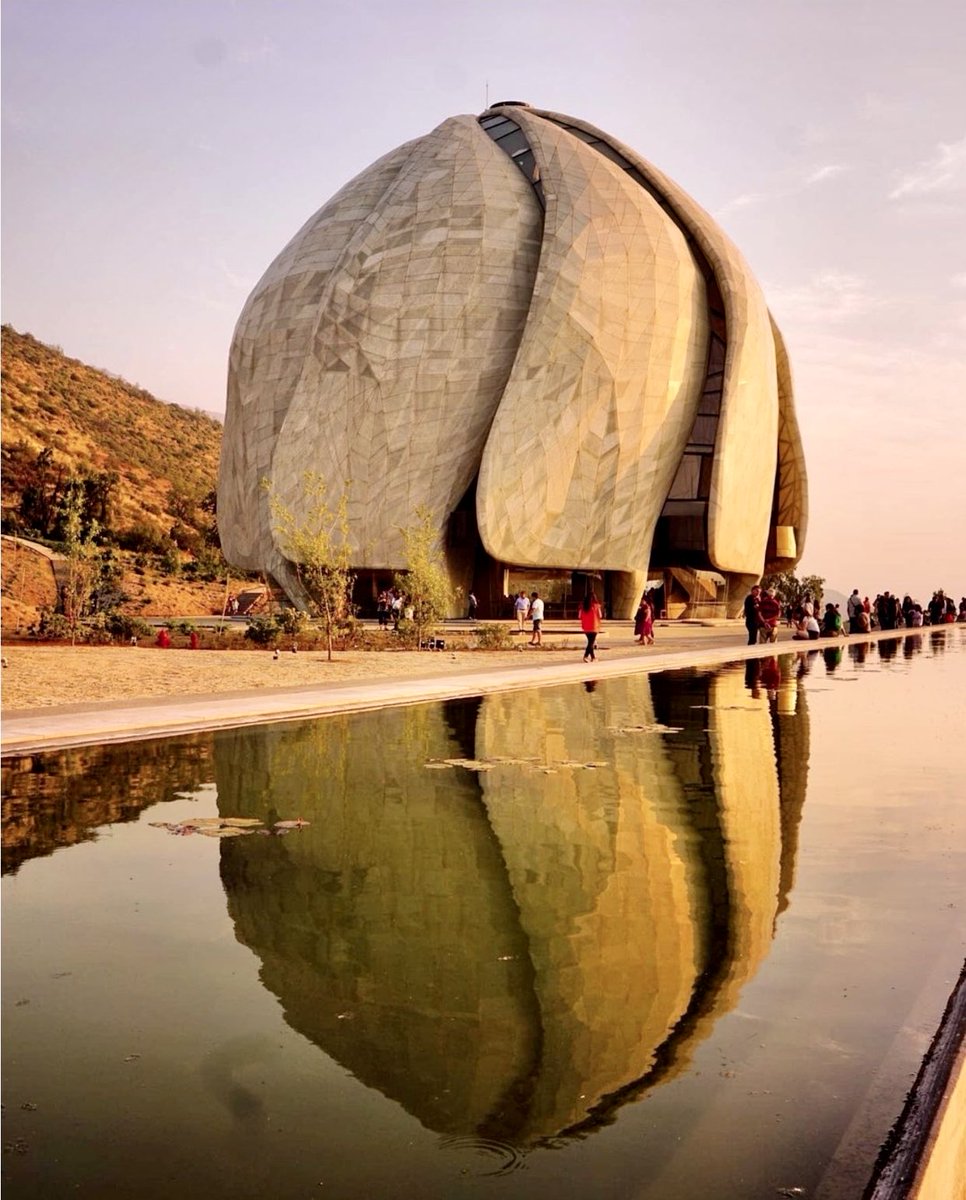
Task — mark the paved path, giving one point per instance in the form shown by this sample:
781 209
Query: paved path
678 646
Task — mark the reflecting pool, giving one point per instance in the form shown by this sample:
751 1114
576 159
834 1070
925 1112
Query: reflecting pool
679 935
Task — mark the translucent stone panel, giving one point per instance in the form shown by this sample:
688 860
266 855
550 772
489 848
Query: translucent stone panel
602 395
414 337
792 503
272 341
744 464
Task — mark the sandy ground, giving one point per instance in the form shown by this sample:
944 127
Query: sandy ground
41 676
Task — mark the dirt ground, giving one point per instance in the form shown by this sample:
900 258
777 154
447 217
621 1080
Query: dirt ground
37 676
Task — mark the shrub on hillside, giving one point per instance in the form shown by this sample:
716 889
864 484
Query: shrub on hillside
169 563
142 539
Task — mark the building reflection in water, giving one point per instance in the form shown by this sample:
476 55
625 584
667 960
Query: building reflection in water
514 947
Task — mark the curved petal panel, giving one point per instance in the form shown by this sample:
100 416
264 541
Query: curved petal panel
603 392
791 508
272 339
743 475
415 336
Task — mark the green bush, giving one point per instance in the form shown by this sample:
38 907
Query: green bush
262 630
123 627
291 621
493 636
94 631
143 539
51 626
407 635
169 563
210 564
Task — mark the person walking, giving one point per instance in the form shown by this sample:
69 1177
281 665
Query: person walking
471 607
536 616
590 618
752 614
647 625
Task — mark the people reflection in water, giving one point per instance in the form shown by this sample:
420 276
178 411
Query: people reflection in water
514 914
887 648
770 675
753 676
859 652
833 657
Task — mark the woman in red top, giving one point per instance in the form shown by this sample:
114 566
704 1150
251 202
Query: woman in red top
590 617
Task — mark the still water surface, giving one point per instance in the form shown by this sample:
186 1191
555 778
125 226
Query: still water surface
664 936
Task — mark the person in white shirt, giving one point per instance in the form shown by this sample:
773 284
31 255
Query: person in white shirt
536 615
521 606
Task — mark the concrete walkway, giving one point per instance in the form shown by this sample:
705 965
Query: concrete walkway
678 646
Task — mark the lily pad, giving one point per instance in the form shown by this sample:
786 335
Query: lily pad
471 764
298 823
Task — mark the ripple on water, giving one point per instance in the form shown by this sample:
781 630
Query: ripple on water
493 1157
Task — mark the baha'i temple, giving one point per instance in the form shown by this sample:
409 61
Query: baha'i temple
523 328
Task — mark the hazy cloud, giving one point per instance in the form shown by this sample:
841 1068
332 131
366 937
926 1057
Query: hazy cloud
820 174
232 278
944 171
828 296
959 281
751 199
745 200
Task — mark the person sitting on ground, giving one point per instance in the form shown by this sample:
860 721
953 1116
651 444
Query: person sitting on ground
831 622
807 629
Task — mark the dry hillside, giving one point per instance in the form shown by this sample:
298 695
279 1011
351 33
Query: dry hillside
150 467
93 421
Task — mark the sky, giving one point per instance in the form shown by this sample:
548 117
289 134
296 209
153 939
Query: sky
158 154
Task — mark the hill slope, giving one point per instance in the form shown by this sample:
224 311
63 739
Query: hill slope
165 457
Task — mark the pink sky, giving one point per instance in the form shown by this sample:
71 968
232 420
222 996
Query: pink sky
157 157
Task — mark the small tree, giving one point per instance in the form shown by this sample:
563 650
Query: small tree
425 579
791 590
318 548
83 561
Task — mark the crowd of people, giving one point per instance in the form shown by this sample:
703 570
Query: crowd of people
393 606
763 613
